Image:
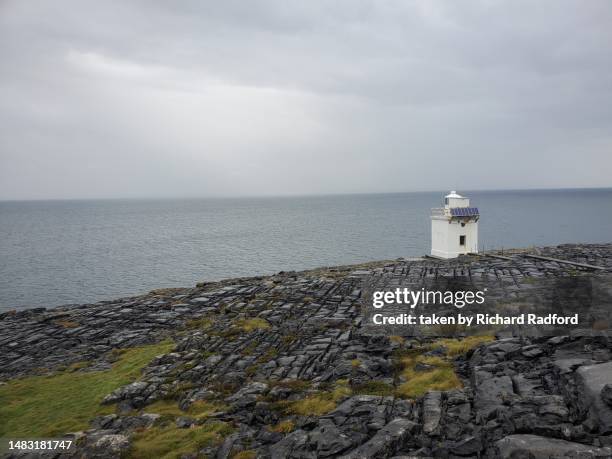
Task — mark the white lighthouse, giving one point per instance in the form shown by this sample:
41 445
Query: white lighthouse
454 227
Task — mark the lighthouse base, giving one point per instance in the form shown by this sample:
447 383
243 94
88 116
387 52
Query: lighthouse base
446 255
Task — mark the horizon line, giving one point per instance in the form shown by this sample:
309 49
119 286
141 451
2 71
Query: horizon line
301 195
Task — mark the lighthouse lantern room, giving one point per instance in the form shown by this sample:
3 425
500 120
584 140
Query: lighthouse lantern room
454 227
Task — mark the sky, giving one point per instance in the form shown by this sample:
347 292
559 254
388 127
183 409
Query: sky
150 98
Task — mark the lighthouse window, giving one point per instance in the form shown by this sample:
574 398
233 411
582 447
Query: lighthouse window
461 240
462 224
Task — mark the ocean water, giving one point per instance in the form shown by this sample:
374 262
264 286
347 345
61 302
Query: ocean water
58 252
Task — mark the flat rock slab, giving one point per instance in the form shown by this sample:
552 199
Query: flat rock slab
386 441
490 393
590 380
432 411
536 447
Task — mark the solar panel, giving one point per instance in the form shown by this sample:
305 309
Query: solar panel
464 211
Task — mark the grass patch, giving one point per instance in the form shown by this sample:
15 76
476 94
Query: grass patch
199 409
170 442
116 353
282 427
251 370
437 379
295 384
270 354
230 334
457 347
78 366
248 350
374 388
178 390
52 405
320 403
249 325
247 454
313 405
397 339
289 339
203 323
442 375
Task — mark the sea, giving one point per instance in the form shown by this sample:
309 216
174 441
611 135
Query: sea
84 251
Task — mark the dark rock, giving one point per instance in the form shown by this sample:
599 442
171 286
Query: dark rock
590 381
491 393
437 352
536 447
106 446
182 422
329 440
468 446
432 411
391 438
606 394
294 445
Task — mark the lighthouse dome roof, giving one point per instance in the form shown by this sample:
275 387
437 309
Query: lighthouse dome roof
453 194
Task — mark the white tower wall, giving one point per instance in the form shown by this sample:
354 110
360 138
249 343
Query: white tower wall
453 235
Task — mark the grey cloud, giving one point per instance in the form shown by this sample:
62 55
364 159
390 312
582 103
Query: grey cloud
112 99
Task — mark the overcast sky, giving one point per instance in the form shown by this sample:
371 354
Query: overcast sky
147 99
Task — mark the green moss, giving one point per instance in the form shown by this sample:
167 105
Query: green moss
47 406
171 442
